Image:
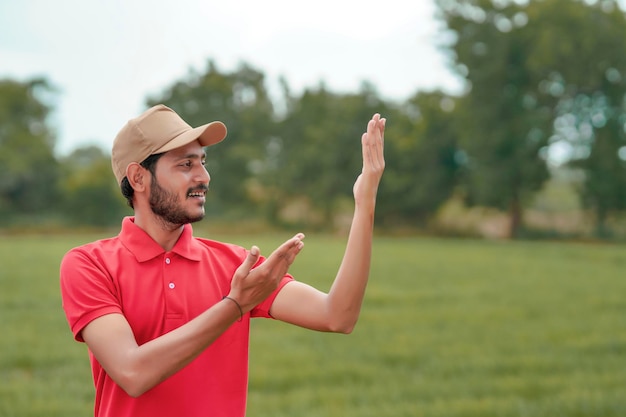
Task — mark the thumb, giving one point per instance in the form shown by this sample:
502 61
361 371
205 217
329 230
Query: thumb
250 261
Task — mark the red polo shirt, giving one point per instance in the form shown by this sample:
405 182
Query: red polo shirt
158 291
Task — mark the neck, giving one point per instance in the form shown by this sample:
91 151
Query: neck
164 233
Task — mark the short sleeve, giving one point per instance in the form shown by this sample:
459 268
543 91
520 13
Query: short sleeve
87 290
263 309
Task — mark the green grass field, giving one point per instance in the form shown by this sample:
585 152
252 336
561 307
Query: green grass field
449 328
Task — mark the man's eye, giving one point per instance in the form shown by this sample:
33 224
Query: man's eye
203 163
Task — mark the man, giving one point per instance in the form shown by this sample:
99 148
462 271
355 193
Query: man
166 315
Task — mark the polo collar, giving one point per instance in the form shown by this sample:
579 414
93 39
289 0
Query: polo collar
140 244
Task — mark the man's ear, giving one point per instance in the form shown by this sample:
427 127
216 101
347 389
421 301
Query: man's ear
137 176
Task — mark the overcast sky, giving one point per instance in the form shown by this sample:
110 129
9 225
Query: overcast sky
107 56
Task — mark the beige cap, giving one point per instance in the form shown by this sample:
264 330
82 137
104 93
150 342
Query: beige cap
158 129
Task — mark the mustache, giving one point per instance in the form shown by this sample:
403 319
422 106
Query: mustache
203 188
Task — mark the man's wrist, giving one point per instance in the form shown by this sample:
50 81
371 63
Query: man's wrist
237 304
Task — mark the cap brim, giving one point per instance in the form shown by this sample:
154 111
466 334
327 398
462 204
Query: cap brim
208 134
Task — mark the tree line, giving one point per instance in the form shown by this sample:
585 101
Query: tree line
539 76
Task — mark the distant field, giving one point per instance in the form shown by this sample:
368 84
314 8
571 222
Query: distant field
449 328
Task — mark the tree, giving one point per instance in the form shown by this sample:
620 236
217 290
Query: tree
502 128
423 159
540 73
90 193
584 81
318 150
28 184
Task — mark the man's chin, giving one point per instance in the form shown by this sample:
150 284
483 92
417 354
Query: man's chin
196 219
176 221
197 215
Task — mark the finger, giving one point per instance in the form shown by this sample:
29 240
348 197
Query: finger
293 246
286 252
379 145
250 261
371 142
381 127
371 127
298 243
375 139
288 257
367 159
376 127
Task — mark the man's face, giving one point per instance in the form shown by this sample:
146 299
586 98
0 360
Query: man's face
179 185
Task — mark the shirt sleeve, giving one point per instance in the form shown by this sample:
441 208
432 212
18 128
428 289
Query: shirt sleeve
87 291
263 309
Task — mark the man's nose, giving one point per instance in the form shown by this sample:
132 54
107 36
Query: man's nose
203 176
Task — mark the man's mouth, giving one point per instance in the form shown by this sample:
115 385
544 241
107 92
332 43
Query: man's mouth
201 193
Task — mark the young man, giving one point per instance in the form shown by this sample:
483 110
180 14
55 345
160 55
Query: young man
166 315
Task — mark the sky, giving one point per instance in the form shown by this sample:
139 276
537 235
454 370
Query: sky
105 57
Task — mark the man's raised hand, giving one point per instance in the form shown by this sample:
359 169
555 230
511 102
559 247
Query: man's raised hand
372 145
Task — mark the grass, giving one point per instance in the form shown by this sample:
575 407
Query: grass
449 328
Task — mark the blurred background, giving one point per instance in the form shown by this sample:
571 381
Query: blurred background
506 118
506 135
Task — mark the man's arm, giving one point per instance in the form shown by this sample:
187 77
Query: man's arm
139 368
338 311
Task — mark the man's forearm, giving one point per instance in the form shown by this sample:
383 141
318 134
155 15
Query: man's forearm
346 294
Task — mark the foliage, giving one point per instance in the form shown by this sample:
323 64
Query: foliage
584 81
502 129
540 76
29 168
540 73
319 147
90 192
423 157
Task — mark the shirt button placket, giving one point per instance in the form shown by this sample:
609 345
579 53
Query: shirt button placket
171 285
173 298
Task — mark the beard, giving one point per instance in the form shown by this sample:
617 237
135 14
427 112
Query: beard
168 207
